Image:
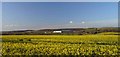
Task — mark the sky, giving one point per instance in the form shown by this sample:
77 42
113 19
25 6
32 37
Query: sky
0 16
59 0
47 15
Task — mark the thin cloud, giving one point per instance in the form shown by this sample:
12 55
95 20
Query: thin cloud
83 22
71 22
11 25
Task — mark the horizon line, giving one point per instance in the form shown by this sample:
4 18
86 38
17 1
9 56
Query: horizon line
56 28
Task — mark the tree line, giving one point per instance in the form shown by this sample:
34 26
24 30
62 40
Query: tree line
67 31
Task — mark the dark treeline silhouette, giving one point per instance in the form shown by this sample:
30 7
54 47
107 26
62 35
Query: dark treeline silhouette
67 31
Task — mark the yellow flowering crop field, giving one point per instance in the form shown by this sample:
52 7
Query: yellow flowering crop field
60 45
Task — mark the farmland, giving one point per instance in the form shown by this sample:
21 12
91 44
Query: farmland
98 44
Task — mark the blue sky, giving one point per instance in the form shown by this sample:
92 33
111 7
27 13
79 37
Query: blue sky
0 16
60 0
42 15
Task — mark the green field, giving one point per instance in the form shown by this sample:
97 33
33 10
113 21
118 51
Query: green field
60 44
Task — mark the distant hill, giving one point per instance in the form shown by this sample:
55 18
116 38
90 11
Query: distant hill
63 31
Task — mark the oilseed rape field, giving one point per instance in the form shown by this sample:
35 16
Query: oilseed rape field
78 45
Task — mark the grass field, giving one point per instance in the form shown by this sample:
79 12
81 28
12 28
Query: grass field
60 45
